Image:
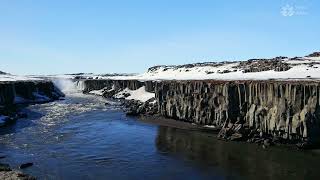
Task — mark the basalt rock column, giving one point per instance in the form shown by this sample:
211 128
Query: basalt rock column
287 109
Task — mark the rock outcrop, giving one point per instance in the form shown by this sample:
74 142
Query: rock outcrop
315 54
284 109
259 65
135 108
19 92
6 173
116 85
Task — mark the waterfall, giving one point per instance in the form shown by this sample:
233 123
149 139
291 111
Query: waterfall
68 86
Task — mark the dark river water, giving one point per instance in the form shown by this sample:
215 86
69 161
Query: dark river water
82 138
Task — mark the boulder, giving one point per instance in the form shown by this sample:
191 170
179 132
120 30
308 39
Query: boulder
5 167
25 165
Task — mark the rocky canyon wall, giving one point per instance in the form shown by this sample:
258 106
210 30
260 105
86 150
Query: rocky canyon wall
21 92
90 85
286 109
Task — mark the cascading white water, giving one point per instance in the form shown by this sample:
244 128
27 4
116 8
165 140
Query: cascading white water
80 85
68 86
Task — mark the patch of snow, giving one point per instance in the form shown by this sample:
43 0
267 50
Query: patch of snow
210 126
7 77
121 94
97 92
153 102
140 94
101 91
314 58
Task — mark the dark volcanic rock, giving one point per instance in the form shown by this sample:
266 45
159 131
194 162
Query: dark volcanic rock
29 91
13 94
135 108
288 110
259 65
113 86
25 165
5 167
315 54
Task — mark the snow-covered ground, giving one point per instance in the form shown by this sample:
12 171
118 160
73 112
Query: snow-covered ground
7 77
306 68
296 72
140 94
97 92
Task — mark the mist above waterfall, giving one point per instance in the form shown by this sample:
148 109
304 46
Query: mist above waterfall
68 86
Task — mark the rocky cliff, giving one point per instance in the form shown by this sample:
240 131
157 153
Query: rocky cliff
116 85
288 110
25 92
285 109
16 93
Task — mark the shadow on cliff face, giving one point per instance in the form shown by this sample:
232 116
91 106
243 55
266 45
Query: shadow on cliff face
247 161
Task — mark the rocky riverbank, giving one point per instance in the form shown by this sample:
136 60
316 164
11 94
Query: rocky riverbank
6 173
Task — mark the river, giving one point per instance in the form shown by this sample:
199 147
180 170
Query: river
82 138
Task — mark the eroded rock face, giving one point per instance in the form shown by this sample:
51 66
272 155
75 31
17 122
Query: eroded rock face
7 93
24 92
136 108
16 93
117 85
289 110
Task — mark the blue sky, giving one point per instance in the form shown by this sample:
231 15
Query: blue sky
103 36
